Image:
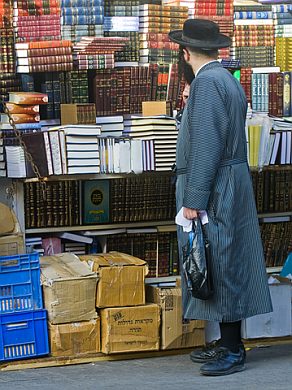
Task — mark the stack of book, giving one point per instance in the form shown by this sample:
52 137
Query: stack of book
111 125
253 40
162 130
97 52
44 56
37 27
160 20
24 110
7 58
81 18
122 19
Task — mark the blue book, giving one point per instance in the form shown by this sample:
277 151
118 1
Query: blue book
95 201
81 3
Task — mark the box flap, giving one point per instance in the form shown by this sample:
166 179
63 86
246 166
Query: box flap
111 259
63 266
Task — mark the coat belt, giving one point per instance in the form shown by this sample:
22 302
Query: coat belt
224 163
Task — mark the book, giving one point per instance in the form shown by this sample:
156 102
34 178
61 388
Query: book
79 130
28 98
22 108
75 237
95 201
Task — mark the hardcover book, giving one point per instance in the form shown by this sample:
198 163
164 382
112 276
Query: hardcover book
95 200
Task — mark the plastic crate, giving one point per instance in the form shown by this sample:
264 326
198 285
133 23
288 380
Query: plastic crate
20 288
23 335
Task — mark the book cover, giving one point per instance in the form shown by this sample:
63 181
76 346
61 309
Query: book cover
95 200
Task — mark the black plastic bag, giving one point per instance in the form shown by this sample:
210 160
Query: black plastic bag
196 258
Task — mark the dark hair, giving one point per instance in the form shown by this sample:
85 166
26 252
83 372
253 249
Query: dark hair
212 53
185 71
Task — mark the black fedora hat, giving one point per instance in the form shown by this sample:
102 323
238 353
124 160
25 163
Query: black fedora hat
200 33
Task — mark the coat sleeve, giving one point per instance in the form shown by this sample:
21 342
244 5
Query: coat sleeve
208 128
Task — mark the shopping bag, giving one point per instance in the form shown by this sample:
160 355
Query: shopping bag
196 259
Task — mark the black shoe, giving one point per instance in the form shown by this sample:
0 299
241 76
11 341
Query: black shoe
207 354
226 363
210 352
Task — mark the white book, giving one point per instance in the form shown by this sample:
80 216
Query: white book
288 147
16 165
83 162
56 152
74 139
79 130
266 69
283 147
125 156
102 120
83 154
275 148
75 147
136 156
75 237
83 170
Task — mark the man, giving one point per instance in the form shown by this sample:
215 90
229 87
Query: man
213 175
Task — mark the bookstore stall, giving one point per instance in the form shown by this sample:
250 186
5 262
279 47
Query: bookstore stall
89 93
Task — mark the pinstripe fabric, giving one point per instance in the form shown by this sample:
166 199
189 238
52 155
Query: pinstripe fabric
212 130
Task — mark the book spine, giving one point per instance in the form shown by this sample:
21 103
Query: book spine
286 93
81 19
80 11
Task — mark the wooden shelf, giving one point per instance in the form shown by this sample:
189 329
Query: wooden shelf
164 225
97 176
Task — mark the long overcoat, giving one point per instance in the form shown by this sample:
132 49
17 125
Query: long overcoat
213 175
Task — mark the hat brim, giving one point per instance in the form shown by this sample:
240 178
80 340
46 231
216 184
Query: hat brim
221 41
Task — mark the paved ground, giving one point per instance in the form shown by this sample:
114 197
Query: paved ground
268 368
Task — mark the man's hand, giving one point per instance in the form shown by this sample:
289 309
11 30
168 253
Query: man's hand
190 213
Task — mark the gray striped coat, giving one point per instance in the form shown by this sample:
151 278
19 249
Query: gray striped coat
211 156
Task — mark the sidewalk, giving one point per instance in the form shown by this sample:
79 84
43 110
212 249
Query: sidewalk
268 368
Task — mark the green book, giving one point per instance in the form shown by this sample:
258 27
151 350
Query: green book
95 201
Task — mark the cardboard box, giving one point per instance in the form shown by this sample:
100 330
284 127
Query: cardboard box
156 108
121 279
12 245
8 220
175 333
69 288
277 323
130 329
75 339
70 114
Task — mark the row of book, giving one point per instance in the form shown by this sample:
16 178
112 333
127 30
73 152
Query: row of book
122 90
277 242
272 189
131 199
159 250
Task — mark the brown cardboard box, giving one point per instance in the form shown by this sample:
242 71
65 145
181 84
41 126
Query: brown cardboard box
156 108
75 339
12 245
174 332
69 288
121 279
8 221
130 329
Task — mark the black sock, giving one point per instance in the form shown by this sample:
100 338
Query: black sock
231 335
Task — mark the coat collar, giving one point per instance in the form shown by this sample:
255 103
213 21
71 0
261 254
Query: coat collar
209 65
